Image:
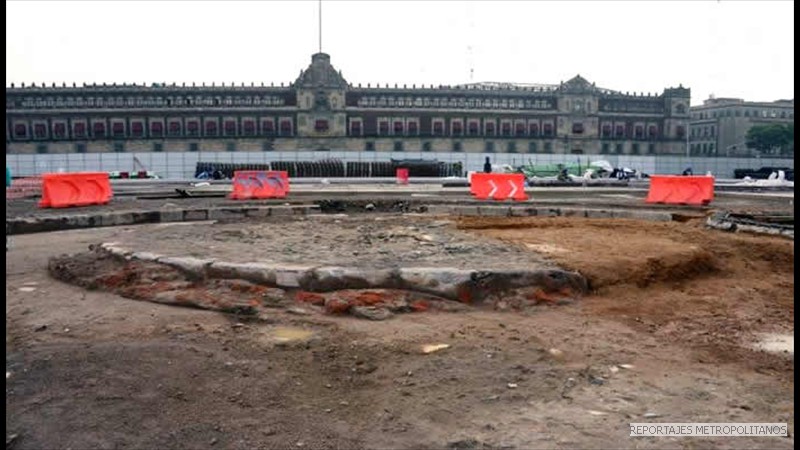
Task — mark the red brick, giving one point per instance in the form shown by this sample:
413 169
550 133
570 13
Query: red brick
310 297
336 306
420 305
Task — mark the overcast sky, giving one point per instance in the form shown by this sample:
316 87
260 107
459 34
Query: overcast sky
723 48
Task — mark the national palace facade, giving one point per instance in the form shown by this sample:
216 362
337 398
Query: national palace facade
322 111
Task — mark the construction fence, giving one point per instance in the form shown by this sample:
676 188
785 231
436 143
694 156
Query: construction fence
183 165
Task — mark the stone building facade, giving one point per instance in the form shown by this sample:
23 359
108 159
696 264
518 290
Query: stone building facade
322 111
719 127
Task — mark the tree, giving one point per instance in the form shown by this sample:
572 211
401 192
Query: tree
771 139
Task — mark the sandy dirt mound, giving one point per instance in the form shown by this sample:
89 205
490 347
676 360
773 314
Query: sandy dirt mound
681 281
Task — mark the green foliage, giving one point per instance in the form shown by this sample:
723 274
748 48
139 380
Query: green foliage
774 138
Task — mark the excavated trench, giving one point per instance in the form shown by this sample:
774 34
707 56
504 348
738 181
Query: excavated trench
672 274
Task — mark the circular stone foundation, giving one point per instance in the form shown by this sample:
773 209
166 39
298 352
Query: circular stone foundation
337 264
369 242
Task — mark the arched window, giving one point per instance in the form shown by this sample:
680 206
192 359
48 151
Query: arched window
20 131
211 128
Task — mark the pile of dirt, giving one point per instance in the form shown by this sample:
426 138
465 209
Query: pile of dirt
679 267
716 291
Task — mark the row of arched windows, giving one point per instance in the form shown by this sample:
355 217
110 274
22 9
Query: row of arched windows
142 128
451 102
141 101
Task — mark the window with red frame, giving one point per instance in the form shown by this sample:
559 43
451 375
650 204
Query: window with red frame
473 129
99 130
548 129
39 131
118 129
490 128
506 129
520 130
193 127
156 129
606 130
321 125
438 128
534 129
383 127
249 127
211 128
59 130
619 131
398 127
20 131
457 130
230 128
79 130
412 128
137 129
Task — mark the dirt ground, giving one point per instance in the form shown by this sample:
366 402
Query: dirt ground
666 336
376 242
715 291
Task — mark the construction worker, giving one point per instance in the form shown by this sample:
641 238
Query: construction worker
563 173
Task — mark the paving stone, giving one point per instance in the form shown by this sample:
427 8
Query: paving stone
171 216
190 215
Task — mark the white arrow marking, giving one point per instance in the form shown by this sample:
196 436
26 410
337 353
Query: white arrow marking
494 188
513 188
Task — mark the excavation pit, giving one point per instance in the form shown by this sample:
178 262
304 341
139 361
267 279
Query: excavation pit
680 279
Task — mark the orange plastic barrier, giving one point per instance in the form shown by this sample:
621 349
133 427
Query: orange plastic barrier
62 190
681 190
248 184
402 176
498 186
